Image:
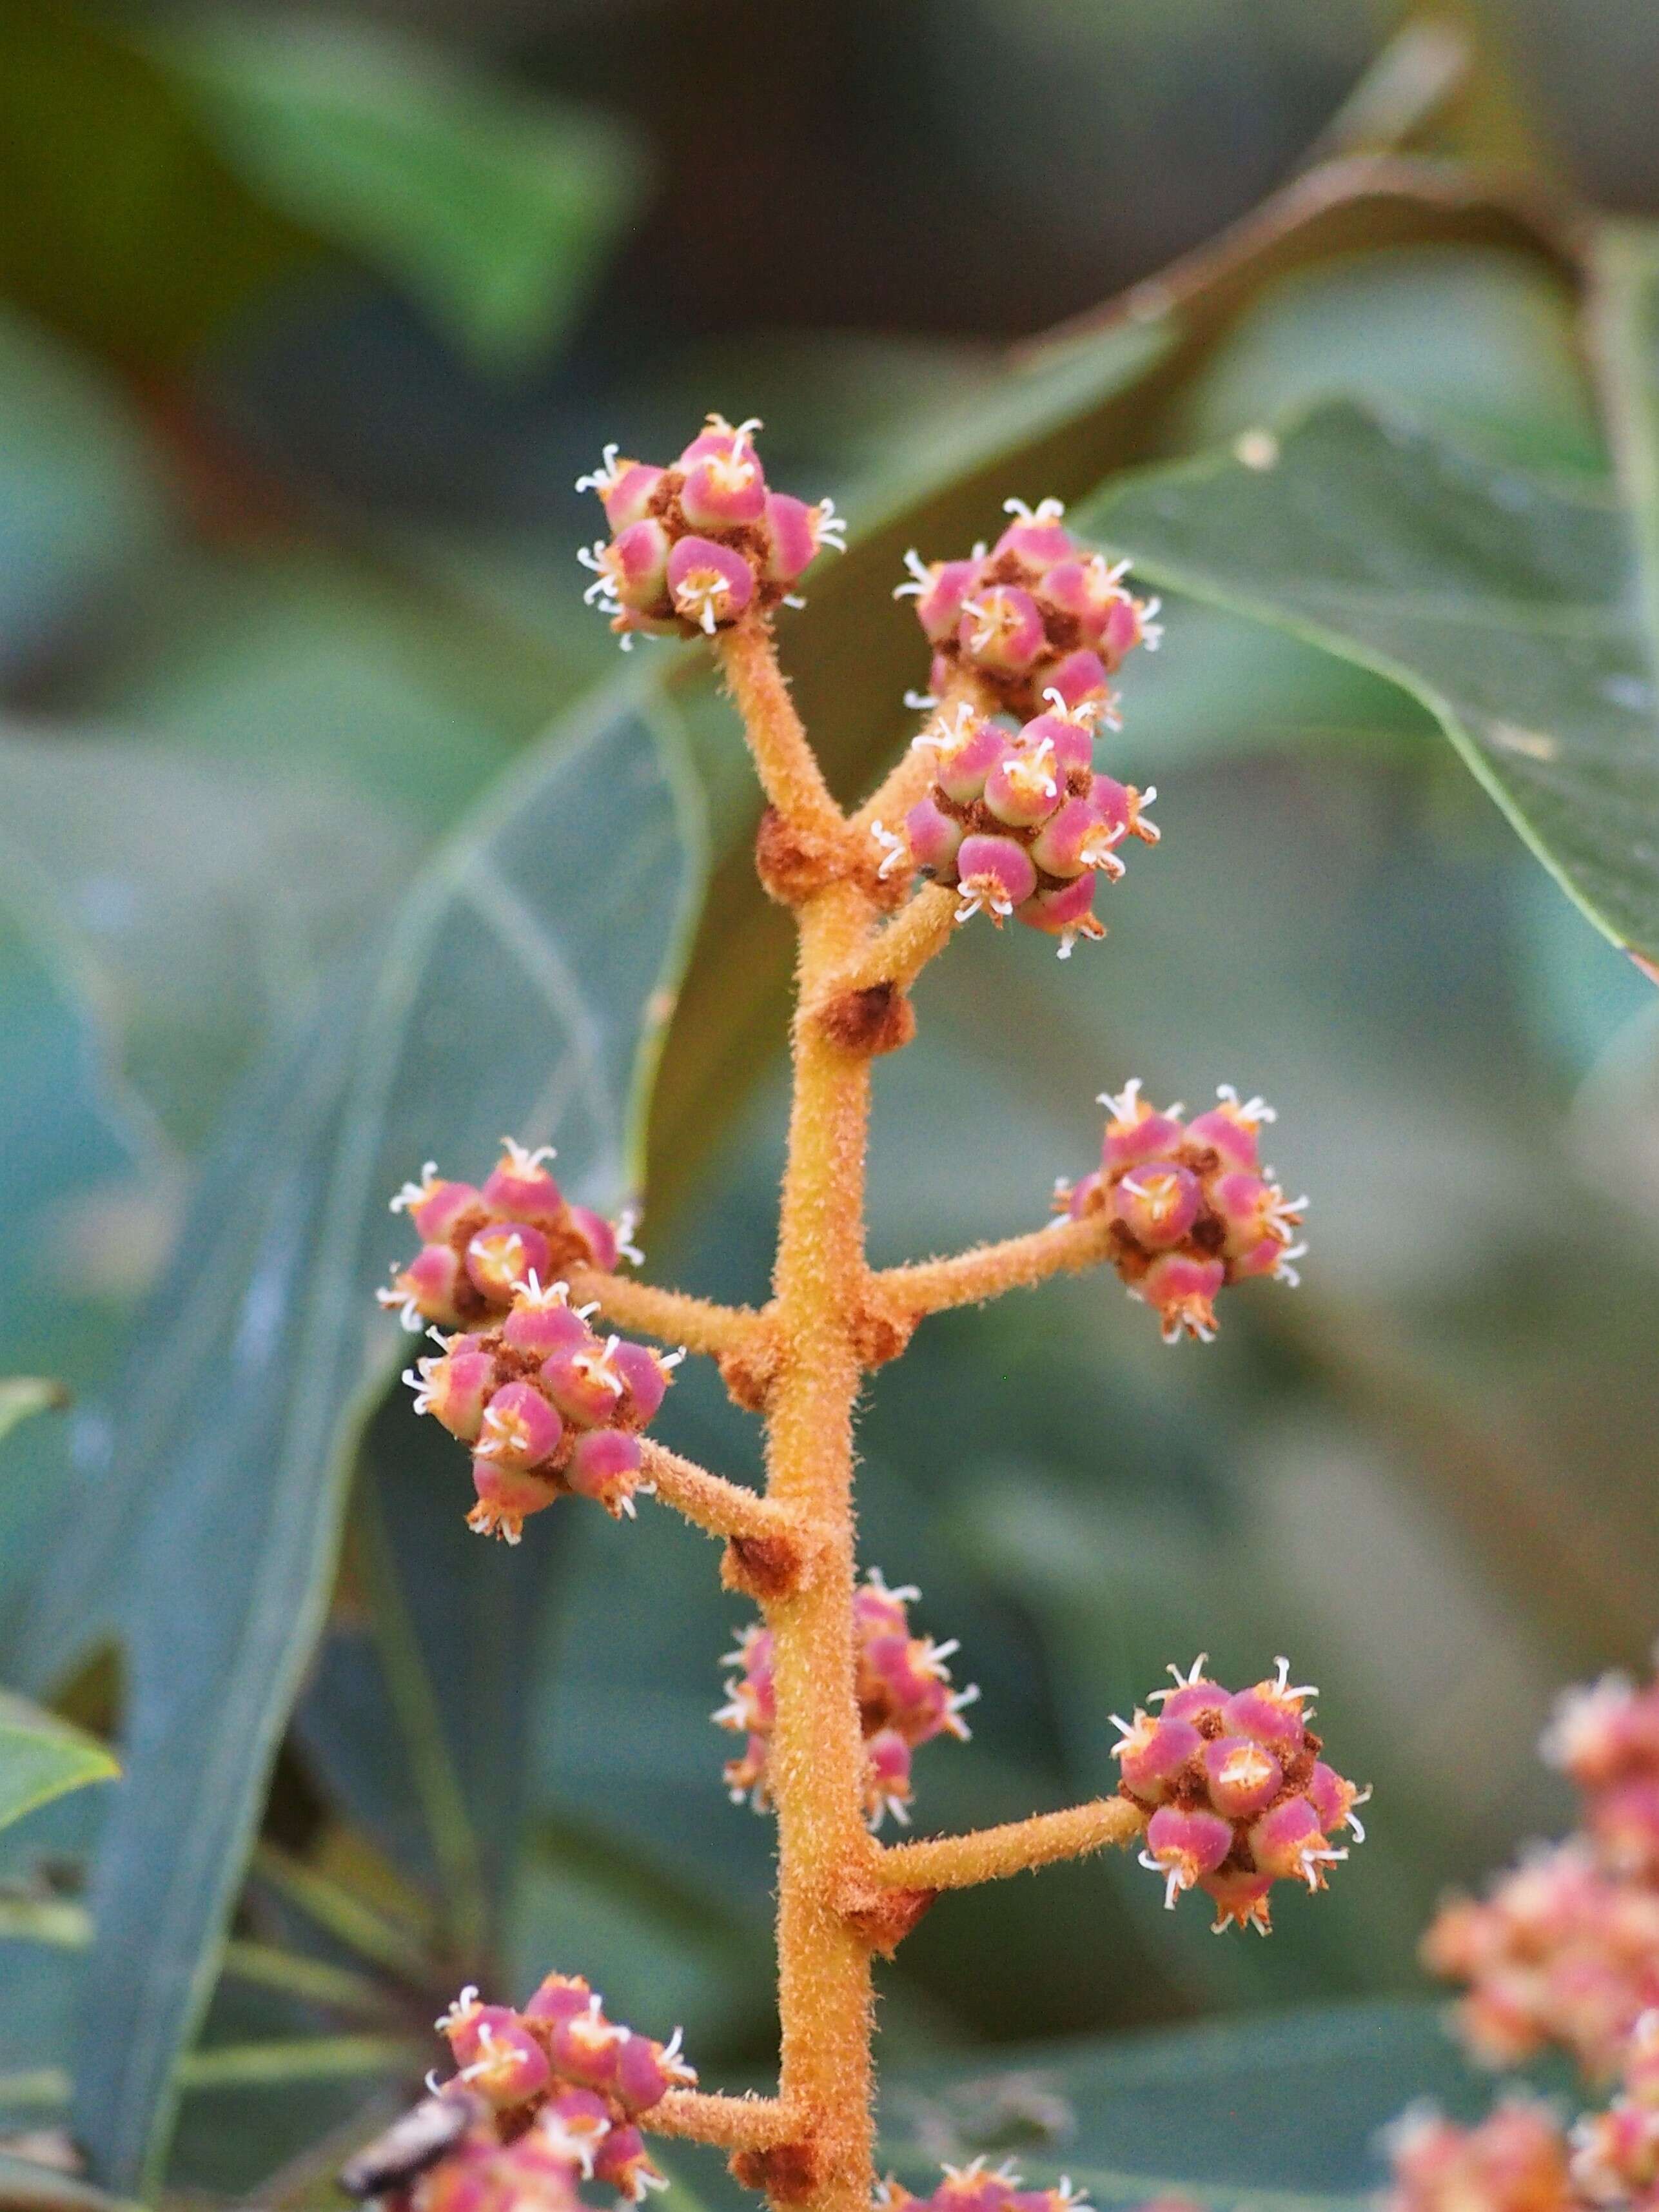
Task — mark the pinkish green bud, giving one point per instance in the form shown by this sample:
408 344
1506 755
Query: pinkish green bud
1136 1132
584 2048
559 1997
887 1784
718 439
1158 1205
1086 586
501 1258
939 590
453 1388
626 489
635 563
434 1205
1288 1842
724 491
1232 1128
506 1498
1070 735
521 1430
621 2162
521 1189
1065 911
708 583
1272 1712
647 2071
1001 630
604 1465
1242 1777
933 838
996 875
1181 1290
1155 1753
433 1287
498 2059
1079 678
646 1375
596 1234
543 1321
964 753
1036 538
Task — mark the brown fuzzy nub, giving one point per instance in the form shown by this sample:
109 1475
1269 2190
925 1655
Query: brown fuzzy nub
761 1567
747 1381
876 1020
788 2173
792 862
884 1918
879 1337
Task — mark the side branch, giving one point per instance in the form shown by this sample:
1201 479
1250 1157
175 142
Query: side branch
898 955
911 774
734 2123
784 760
961 1862
722 1507
697 1324
970 1278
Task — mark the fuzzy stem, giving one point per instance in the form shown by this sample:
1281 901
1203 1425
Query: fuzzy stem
734 2122
722 1507
970 1278
697 1324
960 1862
912 774
784 761
817 1760
920 928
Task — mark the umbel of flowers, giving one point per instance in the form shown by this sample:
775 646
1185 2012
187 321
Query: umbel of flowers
1002 810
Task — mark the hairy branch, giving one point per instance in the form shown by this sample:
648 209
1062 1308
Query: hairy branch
697 1324
961 1862
900 953
970 1278
722 1507
784 760
734 2123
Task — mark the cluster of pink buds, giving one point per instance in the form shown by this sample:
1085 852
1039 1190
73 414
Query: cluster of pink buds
544 2099
1238 1795
1019 821
1038 612
549 1409
1515 2161
1565 1948
1192 1207
479 1247
696 546
905 1699
973 2189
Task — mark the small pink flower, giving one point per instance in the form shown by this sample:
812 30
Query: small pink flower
501 1258
453 1388
542 1320
1183 1846
933 838
583 1382
521 1430
1023 788
723 491
708 583
507 1499
1155 1753
1157 1204
938 590
604 1465
1001 630
433 1287
994 875
1242 1776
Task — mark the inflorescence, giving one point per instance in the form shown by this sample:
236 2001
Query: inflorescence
1237 1793
904 1693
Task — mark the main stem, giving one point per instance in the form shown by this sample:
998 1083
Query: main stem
817 1748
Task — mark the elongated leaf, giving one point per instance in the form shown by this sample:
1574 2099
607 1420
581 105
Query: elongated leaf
1626 326
1280 2110
41 1757
524 986
21 1396
1508 603
491 208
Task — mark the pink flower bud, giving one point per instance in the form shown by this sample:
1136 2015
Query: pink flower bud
433 1287
1036 540
497 2058
521 1430
501 1258
583 1382
1240 1900
1272 1712
1335 1799
996 875
543 1321
1242 1777
1155 1753
708 583
646 2072
604 1465
878 1611
1157 1204
792 536
1624 1823
1182 1846
1079 677
1231 1129
964 753
1183 1293
1001 630
584 2048
1288 1842
636 563
1087 587
645 1381
1024 787
597 1234
1065 911
626 489
939 590
1137 1131
438 1210
724 491
621 2162
507 1499
1071 738
453 1388
559 1998
887 1786
718 439
933 838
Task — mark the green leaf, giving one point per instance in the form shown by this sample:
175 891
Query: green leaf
22 1396
1506 602
525 986
1625 325
1276 2111
42 1757
493 209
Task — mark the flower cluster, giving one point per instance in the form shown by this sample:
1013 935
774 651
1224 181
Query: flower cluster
1565 1948
973 2189
1037 612
905 1699
1515 2161
696 546
548 1408
1615 2154
1019 821
479 1247
1191 1205
544 2099
1238 1795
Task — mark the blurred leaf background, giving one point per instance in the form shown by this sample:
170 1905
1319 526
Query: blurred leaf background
332 838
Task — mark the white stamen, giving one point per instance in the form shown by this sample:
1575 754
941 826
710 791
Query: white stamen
1284 1271
603 479
1047 510
921 577
416 1193
1181 1681
525 1162
1282 1681
1125 1103
403 1304
627 1222
892 848
671 1360
792 599
829 528
1252 1110
919 702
